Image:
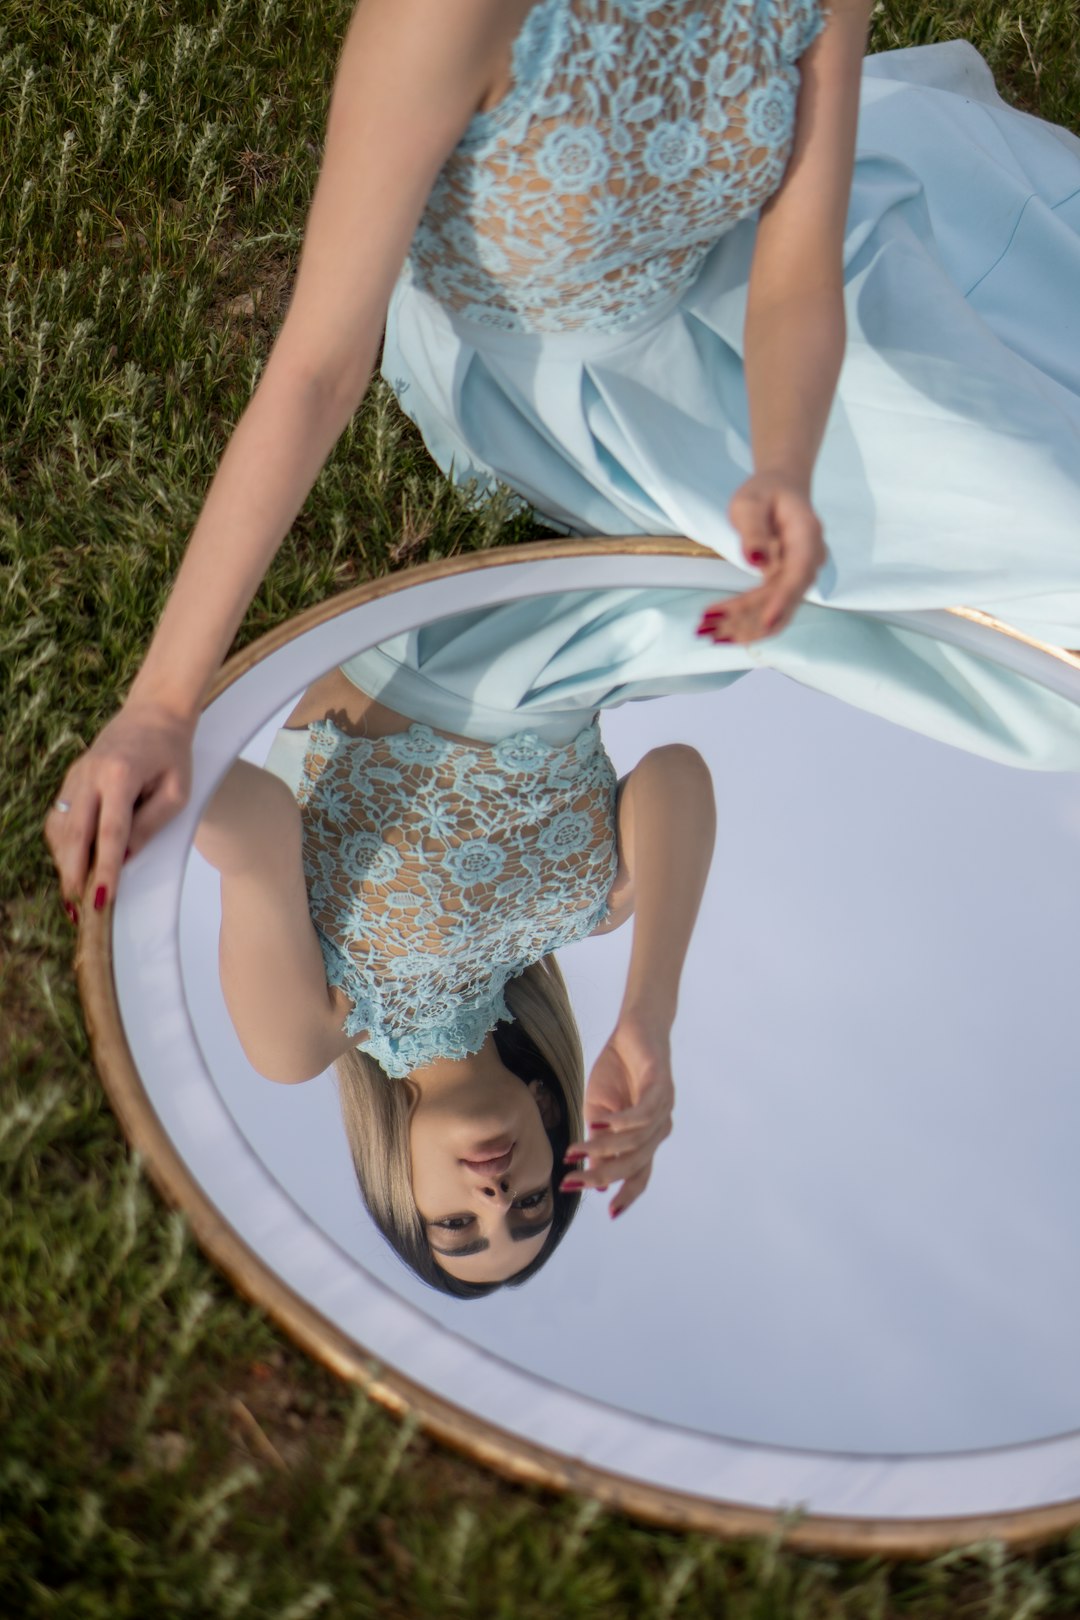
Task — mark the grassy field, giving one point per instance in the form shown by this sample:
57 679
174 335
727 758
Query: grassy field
163 1449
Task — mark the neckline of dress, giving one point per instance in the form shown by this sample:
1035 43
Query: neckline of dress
462 744
453 740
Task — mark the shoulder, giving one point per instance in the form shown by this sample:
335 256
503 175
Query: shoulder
861 9
458 38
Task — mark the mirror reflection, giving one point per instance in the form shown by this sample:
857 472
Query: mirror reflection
392 895
399 880
854 1235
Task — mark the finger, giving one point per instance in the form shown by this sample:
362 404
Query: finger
167 799
113 835
576 1178
780 606
618 1167
751 516
742 620
656 1093
714 615
601 1150
630 1192
70 836
778 613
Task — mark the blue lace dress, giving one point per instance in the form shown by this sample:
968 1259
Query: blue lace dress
438 870
570 316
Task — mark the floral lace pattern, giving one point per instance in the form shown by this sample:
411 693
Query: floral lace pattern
437 871
634 135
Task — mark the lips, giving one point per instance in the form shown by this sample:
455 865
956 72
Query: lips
490 1167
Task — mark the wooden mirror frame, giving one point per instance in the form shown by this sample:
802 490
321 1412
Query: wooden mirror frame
513 1456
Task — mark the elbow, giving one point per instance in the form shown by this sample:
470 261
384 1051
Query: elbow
686 769
683 761
282 1071
286 1061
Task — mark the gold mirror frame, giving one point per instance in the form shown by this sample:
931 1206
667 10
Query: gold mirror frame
516 1459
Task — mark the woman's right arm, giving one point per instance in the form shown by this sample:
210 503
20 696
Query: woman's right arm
272 973
410 75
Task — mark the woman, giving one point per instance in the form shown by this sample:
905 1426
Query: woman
590 170
391 895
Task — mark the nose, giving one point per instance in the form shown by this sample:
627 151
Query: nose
497 1192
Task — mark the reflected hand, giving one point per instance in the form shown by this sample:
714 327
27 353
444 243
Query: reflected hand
628 1106
781 535
132 780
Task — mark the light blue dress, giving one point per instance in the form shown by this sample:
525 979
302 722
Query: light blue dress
570 321
436 871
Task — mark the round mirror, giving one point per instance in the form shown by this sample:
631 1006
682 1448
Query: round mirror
839 1296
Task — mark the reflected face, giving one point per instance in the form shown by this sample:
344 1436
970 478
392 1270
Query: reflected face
482 1173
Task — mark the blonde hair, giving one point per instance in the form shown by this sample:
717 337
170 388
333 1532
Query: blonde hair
541 1042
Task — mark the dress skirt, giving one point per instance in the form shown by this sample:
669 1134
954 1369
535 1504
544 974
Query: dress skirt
949 474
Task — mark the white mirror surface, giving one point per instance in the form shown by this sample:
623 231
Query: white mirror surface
845 1286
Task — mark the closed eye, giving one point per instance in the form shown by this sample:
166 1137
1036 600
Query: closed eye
527 1201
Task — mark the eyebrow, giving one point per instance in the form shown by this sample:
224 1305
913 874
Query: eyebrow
520 1235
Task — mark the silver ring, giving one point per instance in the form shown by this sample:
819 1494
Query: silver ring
61 805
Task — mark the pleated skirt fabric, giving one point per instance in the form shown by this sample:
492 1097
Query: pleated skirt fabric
949 474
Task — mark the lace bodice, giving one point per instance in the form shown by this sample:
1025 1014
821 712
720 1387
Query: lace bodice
437 871
634 134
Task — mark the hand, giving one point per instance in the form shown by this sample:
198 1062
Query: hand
628 1106
781 535
129 783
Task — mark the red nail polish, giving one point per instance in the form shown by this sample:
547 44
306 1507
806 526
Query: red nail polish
72 913
572 1155
604 1188
127 852
99 898
757 557
723 638
601 1125
615 1212
572 1185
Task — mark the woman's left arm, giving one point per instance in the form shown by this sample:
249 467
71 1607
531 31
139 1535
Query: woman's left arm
795 331
667 828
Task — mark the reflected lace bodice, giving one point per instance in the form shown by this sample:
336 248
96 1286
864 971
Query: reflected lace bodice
634 134
437 871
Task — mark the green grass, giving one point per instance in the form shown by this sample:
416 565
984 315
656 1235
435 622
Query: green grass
163 1449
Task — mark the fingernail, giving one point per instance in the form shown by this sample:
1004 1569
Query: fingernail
723 638
72 913
601 1125
757 557
573 1154
615 1212
99 898
604 1188
571 1184
127 852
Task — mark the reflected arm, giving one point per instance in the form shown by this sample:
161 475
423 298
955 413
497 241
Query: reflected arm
272 972
621 896
667 829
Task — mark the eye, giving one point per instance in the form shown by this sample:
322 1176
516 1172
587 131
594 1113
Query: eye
453 1223
533 1201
